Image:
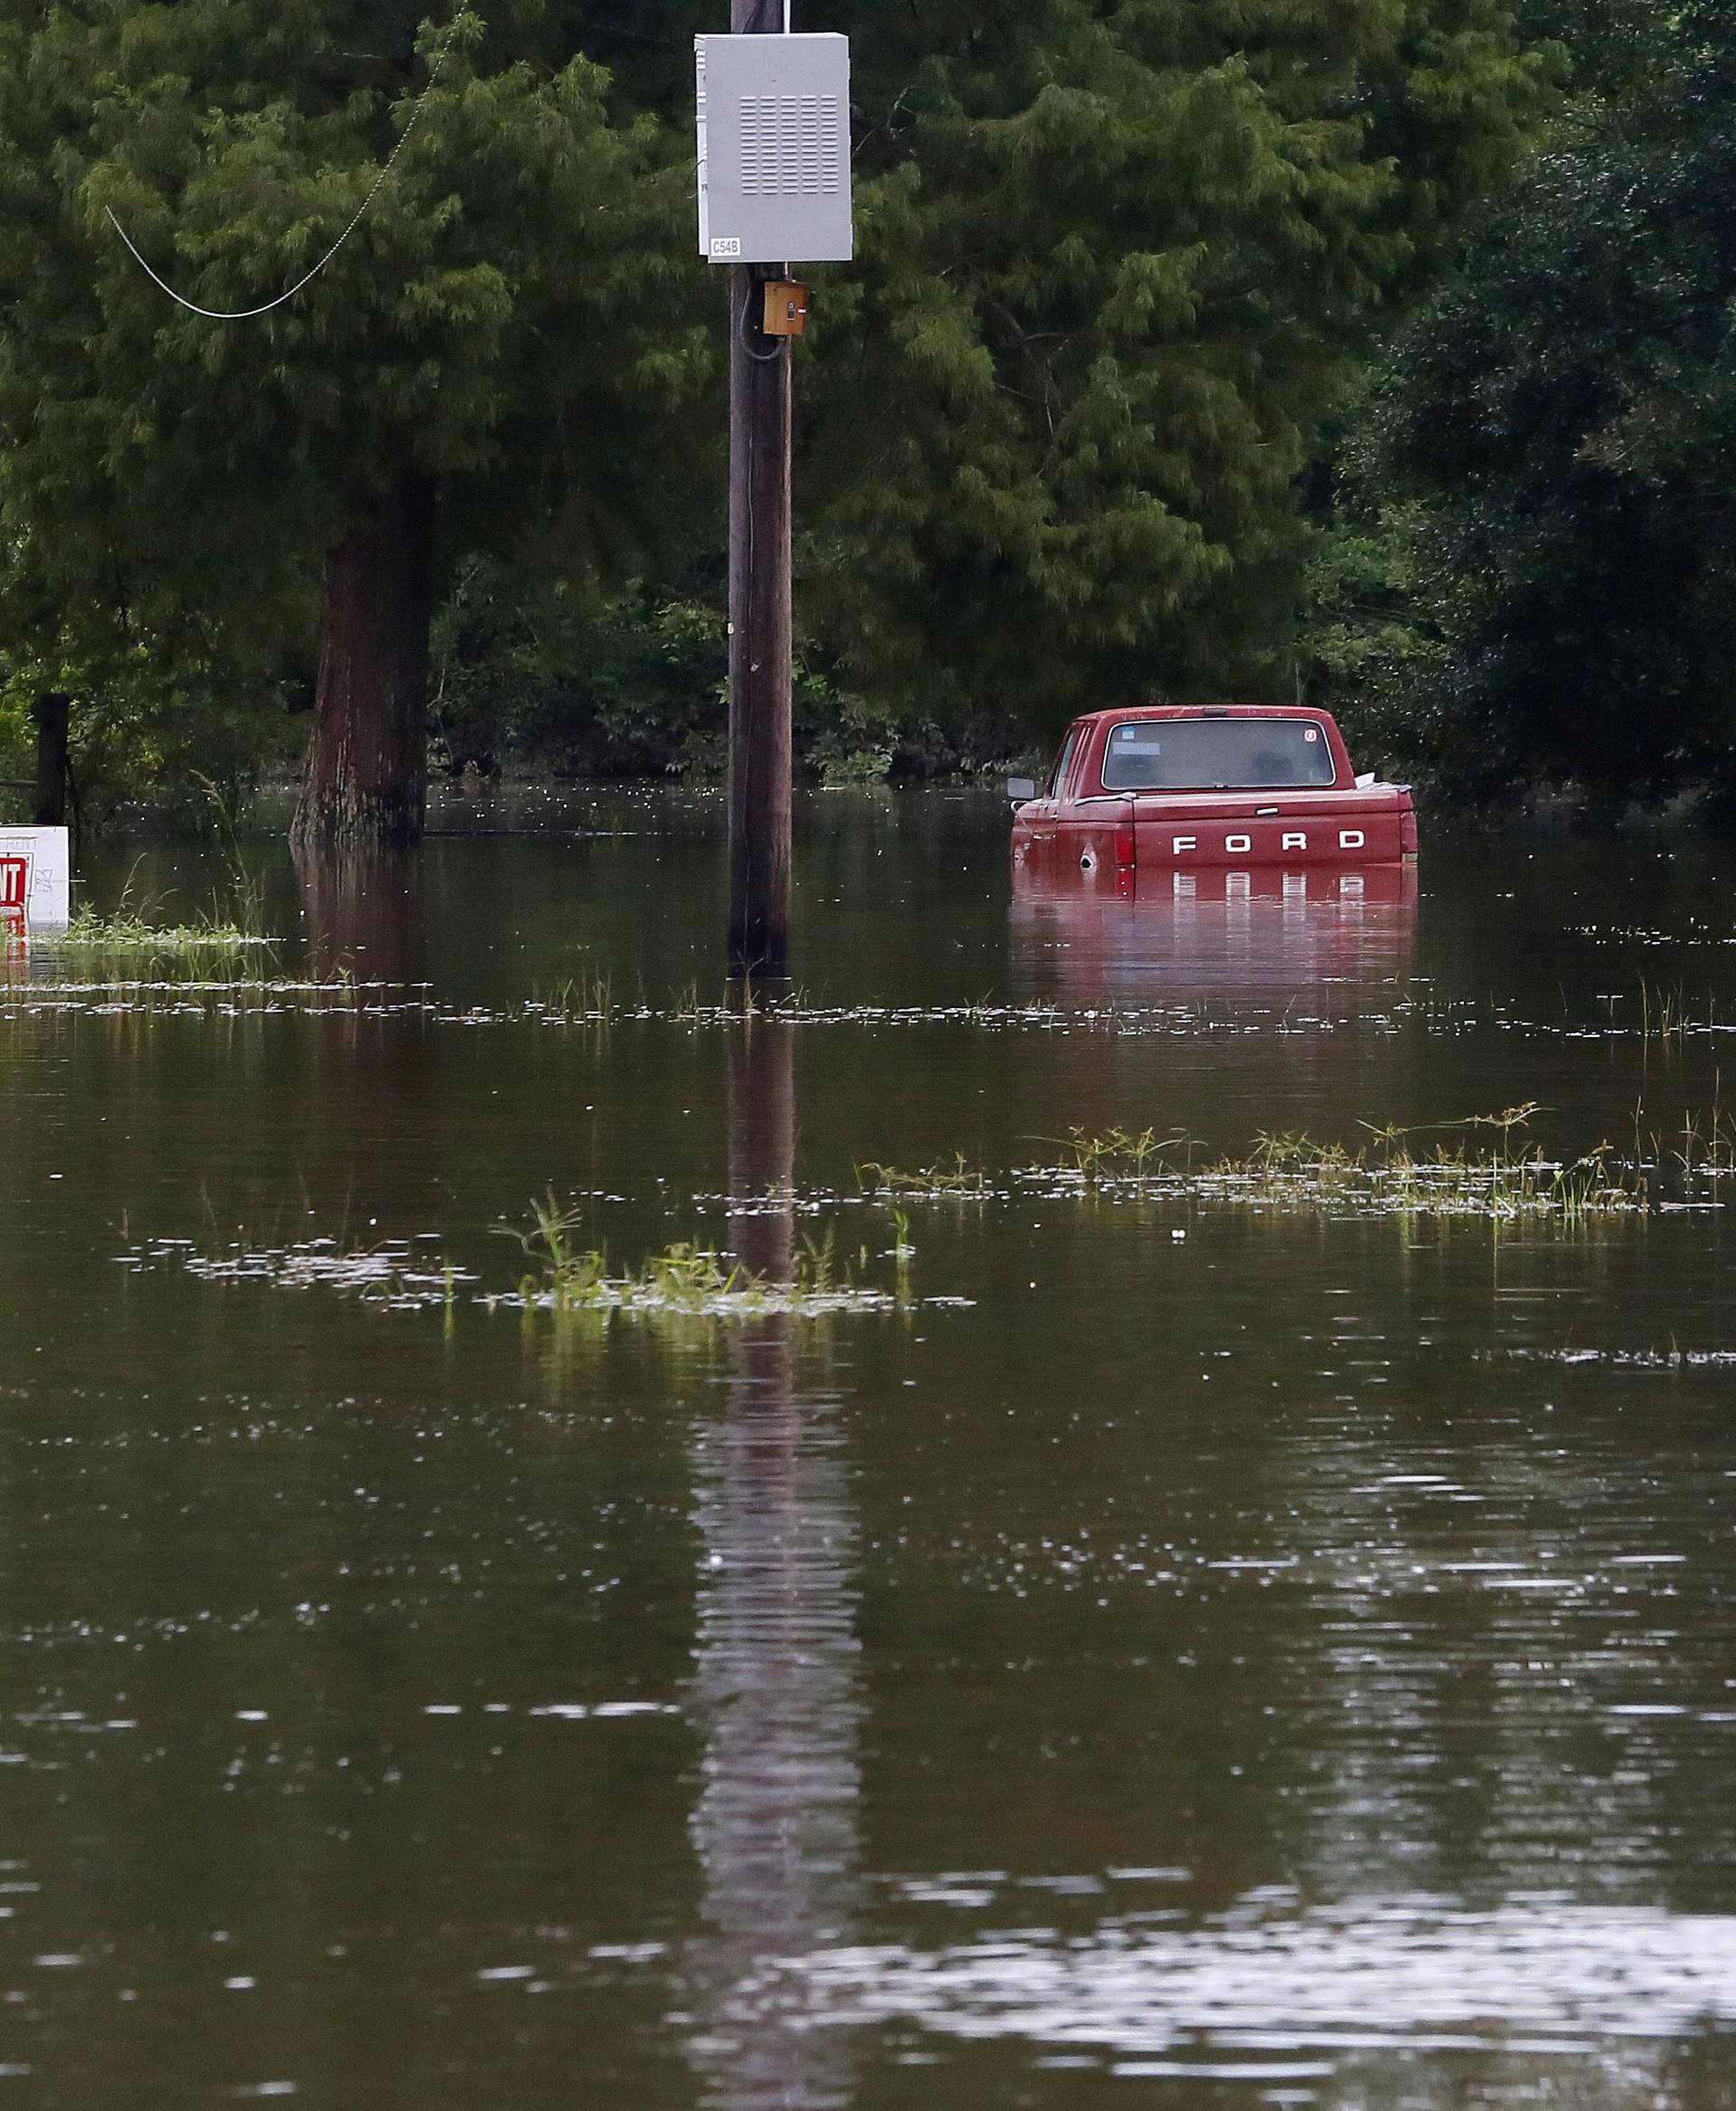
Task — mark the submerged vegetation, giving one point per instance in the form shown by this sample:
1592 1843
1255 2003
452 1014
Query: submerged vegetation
1482 1169
139 934
102 958
1383 1175
687 1279
130 935
956 1179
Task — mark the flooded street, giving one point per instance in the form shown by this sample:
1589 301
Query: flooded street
1119 1642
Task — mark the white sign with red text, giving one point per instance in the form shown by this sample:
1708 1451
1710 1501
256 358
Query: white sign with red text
35 880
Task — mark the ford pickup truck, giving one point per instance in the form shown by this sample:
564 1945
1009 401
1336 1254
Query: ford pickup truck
1213 785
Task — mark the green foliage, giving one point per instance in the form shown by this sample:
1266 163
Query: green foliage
557 681
1114 266
1377 610
17 754
632 685
562 683
1547 485
189 744
511 316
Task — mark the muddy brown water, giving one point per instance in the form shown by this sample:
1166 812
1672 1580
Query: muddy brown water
1175 1655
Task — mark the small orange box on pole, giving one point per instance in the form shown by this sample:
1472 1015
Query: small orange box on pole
785 308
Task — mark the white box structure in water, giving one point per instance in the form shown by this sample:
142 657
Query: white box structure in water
774 149
35 880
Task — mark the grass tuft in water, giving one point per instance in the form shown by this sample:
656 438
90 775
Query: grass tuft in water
1664 1013
685 1280
956 1179
585 999
115 949
1121 1154
125 932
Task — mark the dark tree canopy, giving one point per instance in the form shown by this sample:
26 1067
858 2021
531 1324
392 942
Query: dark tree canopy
1565 420
1114 264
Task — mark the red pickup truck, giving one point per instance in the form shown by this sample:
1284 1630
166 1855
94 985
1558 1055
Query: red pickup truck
1210 786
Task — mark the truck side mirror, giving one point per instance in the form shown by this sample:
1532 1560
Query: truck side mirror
1020 788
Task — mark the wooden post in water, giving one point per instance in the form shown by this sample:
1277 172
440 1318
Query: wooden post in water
52 713
761 643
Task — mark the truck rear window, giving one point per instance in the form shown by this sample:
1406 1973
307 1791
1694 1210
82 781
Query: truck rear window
1200 755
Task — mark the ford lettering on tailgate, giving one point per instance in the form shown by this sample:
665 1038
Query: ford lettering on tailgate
1294 839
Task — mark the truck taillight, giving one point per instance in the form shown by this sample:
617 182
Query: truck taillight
1124 844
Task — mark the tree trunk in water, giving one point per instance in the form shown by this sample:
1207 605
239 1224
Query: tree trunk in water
365 782
53 710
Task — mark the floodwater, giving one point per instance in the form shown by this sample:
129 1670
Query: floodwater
1155 1651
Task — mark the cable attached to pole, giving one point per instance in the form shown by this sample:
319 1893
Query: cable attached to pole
307 277
747 332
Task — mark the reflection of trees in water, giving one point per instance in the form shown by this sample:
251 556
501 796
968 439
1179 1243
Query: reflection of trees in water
370 1074
776 1686
364 914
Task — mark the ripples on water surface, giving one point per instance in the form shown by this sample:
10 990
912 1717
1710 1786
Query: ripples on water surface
1160 1653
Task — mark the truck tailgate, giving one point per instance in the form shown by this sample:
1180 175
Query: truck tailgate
1273 828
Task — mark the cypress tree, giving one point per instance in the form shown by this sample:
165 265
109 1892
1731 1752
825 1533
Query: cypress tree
493 357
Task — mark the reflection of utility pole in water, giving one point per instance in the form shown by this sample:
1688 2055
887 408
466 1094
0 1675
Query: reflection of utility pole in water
776 1688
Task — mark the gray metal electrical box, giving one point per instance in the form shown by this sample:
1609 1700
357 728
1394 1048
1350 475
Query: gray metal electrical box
774 149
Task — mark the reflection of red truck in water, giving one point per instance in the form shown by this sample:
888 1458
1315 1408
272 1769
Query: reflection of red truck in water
14 895
1189 787
1337 937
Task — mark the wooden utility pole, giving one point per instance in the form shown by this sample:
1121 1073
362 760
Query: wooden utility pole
760 637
